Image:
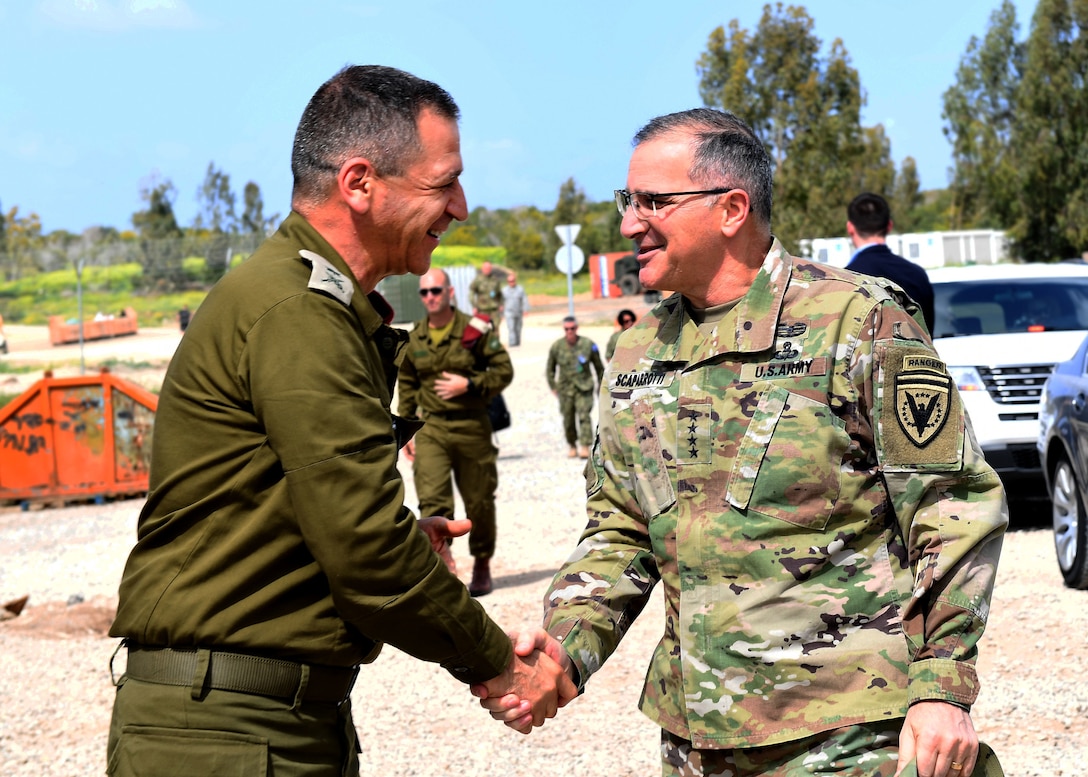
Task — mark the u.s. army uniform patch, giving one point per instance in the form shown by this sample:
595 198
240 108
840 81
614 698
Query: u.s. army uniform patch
921 421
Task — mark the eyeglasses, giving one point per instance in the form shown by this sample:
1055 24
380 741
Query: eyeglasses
647 203
435 290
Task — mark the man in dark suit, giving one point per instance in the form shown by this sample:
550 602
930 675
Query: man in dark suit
869 220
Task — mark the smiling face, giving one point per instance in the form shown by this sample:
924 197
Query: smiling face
412 210
681 247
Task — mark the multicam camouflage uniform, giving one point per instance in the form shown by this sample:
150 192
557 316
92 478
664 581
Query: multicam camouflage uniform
569 376
802 479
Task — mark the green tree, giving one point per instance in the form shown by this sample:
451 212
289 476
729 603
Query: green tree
215 203
805 108
157 220
979 112
253 219
24 244
1050 134
906 197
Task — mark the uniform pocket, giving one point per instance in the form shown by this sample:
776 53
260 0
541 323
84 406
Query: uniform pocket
650 473
790 464
172 752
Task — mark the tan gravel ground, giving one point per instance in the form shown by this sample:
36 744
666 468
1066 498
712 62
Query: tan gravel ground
413 718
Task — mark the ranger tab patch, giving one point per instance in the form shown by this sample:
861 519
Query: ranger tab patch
326 278
921 421
923 391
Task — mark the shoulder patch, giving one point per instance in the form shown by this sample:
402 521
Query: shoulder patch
326 278
920 416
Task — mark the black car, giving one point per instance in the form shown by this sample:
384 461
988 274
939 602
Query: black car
1063 450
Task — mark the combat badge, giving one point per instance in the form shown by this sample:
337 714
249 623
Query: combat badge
923 391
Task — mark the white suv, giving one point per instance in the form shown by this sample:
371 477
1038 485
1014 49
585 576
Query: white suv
1001 329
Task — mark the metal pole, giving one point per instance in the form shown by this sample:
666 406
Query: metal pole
570 275
79 298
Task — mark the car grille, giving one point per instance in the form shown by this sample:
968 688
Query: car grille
1019 385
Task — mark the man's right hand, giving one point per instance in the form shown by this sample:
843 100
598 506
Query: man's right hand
409 450
534 686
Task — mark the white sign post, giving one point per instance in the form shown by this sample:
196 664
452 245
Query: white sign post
569 258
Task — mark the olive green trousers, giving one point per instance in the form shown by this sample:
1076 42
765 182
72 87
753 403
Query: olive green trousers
162 730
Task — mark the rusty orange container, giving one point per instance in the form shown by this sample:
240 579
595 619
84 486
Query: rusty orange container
76 438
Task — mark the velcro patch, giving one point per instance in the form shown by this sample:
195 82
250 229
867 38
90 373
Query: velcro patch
920 416
799 368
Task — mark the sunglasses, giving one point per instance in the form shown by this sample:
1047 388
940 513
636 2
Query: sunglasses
434 290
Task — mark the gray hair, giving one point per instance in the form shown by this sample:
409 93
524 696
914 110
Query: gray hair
726 152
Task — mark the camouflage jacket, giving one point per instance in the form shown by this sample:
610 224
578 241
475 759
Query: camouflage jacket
803 481
485 291
568 369
478 356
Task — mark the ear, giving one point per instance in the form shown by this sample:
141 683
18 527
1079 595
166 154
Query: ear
736 211
851 230
356 183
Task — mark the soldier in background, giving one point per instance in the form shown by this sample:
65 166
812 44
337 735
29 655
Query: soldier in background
574 375
625 319
485 292
453 365
822 519
514 305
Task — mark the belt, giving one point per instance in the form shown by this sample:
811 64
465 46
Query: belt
241 673
459 415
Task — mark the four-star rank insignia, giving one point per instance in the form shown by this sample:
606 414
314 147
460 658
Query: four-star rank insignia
923 393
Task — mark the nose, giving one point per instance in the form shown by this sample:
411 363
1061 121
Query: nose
631 226
457 207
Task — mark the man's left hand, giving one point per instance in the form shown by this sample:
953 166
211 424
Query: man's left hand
440 530
938 736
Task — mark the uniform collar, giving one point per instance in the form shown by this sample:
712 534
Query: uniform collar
371 309
748 328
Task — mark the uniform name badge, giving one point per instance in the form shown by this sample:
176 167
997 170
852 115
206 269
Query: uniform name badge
923 394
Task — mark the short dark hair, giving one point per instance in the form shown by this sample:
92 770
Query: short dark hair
370 111
570 320
870 214
727 153
625 314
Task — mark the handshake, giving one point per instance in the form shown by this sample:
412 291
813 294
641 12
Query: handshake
534 686
537 681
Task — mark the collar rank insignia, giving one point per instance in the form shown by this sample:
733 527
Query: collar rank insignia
923 391
326 278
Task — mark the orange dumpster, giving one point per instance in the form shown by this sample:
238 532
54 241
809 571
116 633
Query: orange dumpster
99 328
77 438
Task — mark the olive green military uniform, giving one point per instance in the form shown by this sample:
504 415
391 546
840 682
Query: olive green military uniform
485 291
570 377
274 553
456 437
801 477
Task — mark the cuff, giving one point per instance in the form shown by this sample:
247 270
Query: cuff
942 679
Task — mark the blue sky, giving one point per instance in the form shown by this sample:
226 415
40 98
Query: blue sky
98 95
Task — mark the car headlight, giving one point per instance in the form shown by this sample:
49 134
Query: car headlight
967 378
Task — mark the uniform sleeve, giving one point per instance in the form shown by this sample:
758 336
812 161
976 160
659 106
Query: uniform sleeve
316 392
498 369
605 584
549 371
949 504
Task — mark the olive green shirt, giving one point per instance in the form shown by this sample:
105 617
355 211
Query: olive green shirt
484 362
276 522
